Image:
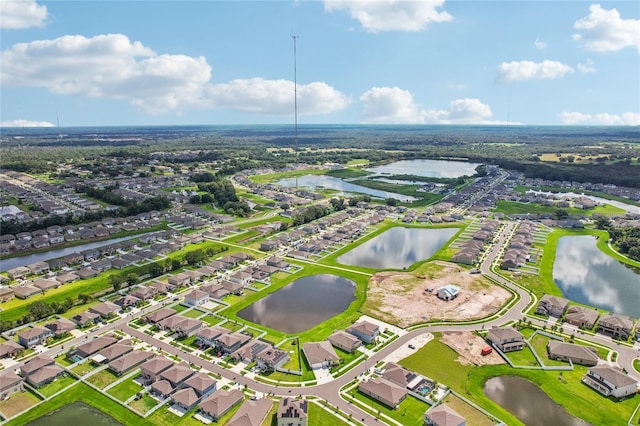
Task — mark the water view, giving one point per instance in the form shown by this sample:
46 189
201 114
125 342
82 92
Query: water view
75 413
528 402
398 248
329 182
303 304
587 275
427 168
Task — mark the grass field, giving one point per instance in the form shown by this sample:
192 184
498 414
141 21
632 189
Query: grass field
320 416
515 207
143 404
523 357
125 390
409 412
83 368
470 413
102 379
58 384
539 343
636 365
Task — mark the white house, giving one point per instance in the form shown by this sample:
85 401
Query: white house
610 382
448 292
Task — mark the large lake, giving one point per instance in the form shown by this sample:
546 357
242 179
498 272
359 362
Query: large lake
76 413
330 182
427 168
398 248
587 275
528 402
303 304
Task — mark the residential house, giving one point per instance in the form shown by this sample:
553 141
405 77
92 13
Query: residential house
577 354
10 383
506 339
365 331
45 284
144 293
86 273
38 268
384 391
10 349
179 280
448 292
220 402
241 277
248 352
93 346
443 415
320 354
196 298
159 315
552 306
215 291
292 412
152 368
231 342
19 272
610 381
61 326
345 341
252 413
233 288
105 309
615 325
271 358
6 294
34 336
187 327
398 375
581 316
127 301
161 389
67 277
24 292
208 336
112 352
185 398
128 362
41 370
201 383
84 319
177 374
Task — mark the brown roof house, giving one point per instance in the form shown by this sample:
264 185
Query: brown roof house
41 370
10 349
610 382
443 415
552 306
344 341
84 319
293 412
616 325
105 309
161 389
196 298
271 358
93 346
34 336
320 354
384 391
185 399
220 402
112 352
159 315
177 374
577 354
128 362
61 326
251 413
201 383
581 316
152 369
10 383
506 339
365 331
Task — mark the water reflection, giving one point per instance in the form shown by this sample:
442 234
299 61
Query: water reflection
528 402
329 182
302 304
587 275
398 248
427 168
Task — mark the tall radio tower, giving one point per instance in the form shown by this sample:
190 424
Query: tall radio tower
295 88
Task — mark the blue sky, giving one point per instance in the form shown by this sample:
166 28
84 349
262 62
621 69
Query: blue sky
381 61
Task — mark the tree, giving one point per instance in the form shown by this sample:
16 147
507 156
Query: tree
561 214
391 202
132 279
195 257
175 264
40 310
155 270
116 281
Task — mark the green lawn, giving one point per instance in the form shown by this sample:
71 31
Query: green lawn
163 417
193 313
523 357
84 393
84 368
63 361
515 207
211 320
58 384
125 390
636 365
102 379
143 404
180 308
320 416
409 412
539 344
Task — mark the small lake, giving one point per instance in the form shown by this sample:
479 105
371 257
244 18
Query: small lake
427 168
398 248
330 182
303 304
77 413
528 402
587 275
28 259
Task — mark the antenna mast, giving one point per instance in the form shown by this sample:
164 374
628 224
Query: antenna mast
295 88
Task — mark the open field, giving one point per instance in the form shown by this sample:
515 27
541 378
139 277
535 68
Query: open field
400 297
468 346
17 403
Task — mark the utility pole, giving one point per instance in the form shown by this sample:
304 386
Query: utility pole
295 89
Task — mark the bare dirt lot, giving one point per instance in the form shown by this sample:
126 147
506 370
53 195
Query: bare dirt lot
400 297
469 346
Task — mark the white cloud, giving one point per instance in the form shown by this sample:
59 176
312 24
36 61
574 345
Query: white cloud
587 67
540 45
26 123
605 31
528 70
276 97
20 14
392 15
392 105
112 66
601 119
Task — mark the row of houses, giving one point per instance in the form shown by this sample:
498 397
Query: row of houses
517 252
470 250
617 326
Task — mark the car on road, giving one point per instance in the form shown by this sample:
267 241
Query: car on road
411 346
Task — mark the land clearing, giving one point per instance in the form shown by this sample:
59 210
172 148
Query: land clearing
469 347
400 297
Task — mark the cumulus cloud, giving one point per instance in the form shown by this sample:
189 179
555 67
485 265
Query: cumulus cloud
587 67
528 70
275 97
601 119
112 66
26 123
540 45
392 105
21 14
392 15
605 31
